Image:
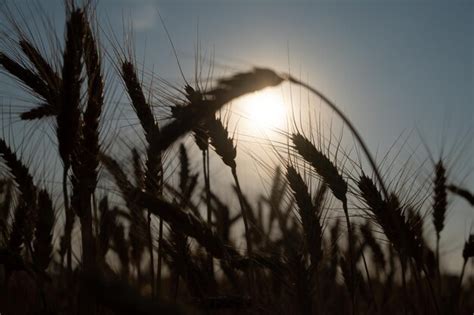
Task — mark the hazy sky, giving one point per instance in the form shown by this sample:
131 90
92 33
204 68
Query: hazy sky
392 66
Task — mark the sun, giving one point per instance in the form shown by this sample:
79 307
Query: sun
264 109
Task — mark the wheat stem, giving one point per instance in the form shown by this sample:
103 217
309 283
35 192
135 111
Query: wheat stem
350 240
207 184
160 256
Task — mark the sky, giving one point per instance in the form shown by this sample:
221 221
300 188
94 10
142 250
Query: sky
394 67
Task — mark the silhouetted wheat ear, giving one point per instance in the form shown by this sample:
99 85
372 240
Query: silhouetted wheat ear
139 103
439 198
153 171
30 79
17 235
42 66
39 112
138 225
123 183
415 222
187 223
7 190
309 214
243 83
68 120
466 194
43 246
222 143
322 165
20 174
118 174
84 136
201 137
371 195
388 215
50 79
88 148
227 89
331 177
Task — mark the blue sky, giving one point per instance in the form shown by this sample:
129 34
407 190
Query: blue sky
393 66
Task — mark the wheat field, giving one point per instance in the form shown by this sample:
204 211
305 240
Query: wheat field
148 228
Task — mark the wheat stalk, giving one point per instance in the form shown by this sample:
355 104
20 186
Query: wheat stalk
154 167
224 147
68 117
336 183
466 194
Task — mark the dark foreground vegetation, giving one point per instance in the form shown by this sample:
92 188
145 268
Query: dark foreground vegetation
171 243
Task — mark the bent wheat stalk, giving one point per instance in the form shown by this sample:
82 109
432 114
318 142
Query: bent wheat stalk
352 128
224 147
227 89
466 194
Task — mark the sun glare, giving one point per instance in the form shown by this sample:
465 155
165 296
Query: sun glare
264 109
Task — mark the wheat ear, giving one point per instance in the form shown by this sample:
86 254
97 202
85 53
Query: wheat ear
336 183
309 213
43 246
154 166
227 89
